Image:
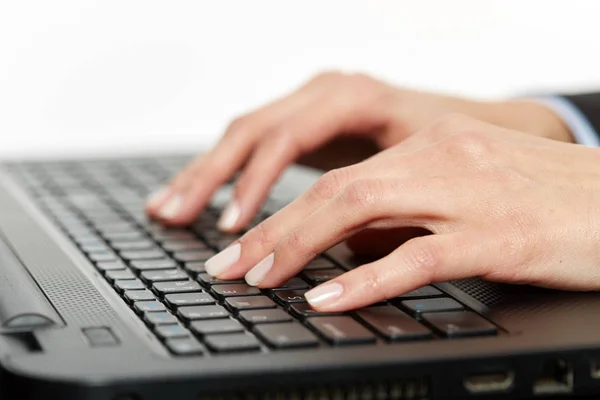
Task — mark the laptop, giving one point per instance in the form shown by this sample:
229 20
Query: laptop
99 302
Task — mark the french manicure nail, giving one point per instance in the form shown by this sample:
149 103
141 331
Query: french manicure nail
229 216
158 197
260 270
171 208
326 293
220 262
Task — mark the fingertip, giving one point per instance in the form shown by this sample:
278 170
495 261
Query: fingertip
325 297
229 220
157 199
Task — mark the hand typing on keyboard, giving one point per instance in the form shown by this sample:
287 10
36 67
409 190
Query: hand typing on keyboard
500 204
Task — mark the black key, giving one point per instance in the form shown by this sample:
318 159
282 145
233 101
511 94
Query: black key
286 335
188 299
132 284
187 245
294 283
124 236
460 323
163 288
110 266
232 342
435 304
175 331
194 267
138 295
148 306
163 275
290 296
102 257
187 256
216 326
123 275
252 317
303 310
143 255
341 330
425 291
393 324
234 290
148 265
319 263
202 312
160 318
322 275
207 280
222 244
185 347
249 303
139 245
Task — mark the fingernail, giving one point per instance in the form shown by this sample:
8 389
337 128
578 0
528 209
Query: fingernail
260 270
321 295
158 197
218 263
229 216
171 208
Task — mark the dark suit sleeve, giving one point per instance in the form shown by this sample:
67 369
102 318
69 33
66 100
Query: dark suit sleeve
589 105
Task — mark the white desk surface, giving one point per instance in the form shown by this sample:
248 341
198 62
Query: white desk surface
84 77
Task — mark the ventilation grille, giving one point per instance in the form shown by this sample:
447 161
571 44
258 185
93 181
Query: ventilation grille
494 294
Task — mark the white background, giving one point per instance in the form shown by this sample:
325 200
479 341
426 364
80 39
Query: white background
82 77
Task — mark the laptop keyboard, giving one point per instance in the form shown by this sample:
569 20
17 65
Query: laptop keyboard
159 272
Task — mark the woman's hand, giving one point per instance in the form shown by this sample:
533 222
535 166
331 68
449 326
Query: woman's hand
334 120
500 204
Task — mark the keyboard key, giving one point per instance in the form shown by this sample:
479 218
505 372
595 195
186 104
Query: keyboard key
163 275
460 324
148 306
436 304
102 257
207 280
188 299
202 312
425 291
233 290
393 324
294 283
286 335
129 245
143 255
138 295
303 310
133 284
290 296
124 236
210 327
186 256
185 347
322 275
194 267
123 275
174 331
148 265
341 330
110 266
249 303
95 248
160 318
319 263
232 342
187 245
264 316
169 235
163 288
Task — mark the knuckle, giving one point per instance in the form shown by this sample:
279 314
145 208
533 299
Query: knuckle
239 124
298 243
327 76
330 184
423 257
362 193
467 145
261 234
374 282
449 124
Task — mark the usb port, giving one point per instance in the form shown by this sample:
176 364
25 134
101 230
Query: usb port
556 378
493 382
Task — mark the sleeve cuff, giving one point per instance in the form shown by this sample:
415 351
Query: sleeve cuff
581 129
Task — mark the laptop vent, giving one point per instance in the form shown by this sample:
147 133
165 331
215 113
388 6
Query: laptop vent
493 293
409 389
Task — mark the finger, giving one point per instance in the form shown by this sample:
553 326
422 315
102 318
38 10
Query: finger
363 203
331 114
189 192
419 262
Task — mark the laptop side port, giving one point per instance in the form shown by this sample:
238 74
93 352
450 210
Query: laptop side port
595 369
493 382
556 378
